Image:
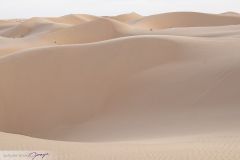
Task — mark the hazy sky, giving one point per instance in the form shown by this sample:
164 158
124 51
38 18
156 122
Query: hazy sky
30 8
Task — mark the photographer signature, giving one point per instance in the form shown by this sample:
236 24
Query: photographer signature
34 155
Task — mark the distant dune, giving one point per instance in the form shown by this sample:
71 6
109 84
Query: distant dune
214 31
30 27
74 19
87 32
185 19
5 24
126 87
231 13
127 17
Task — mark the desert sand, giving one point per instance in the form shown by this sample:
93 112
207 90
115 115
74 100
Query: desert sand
126 87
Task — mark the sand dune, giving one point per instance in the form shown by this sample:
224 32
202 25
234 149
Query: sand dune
31 26
231 13
80 28
87 32
5 24
113 84
74 19
214 31
122 87
127 17
185 19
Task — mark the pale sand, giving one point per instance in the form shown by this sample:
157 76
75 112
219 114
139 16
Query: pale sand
122 87
127 17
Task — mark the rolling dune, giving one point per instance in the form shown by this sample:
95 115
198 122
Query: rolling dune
185 19
126 87
127 17
31 27
87 32
5 24
73 19
95 87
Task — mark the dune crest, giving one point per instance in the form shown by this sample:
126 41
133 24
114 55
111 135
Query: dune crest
127 17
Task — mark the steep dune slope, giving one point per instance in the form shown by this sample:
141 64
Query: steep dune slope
185 19
131 87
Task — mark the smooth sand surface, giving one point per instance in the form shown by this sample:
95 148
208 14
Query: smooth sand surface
123 87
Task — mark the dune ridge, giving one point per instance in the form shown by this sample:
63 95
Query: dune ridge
127 17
